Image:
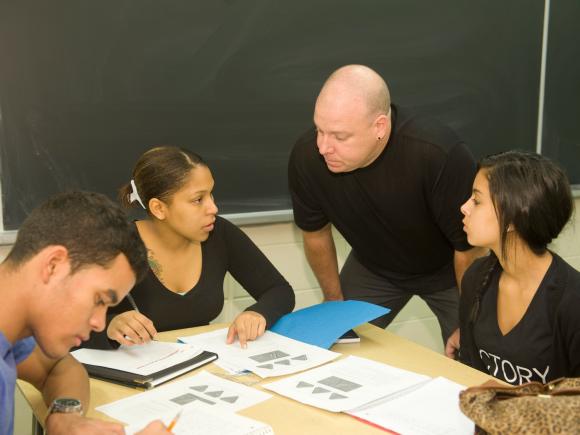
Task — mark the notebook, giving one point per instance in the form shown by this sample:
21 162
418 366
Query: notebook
144 366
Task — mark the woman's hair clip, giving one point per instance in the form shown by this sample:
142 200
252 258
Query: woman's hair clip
134 195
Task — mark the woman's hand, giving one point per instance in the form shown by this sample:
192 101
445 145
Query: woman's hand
248 326
131 328
453 345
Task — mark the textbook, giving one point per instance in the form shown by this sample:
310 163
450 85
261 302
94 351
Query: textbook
143 366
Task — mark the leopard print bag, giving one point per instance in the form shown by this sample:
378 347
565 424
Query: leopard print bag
532 408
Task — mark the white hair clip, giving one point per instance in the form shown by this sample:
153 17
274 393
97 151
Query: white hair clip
134 195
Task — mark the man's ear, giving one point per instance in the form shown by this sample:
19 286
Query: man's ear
54 263
382 126
157 208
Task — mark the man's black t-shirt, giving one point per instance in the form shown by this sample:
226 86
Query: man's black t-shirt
401 213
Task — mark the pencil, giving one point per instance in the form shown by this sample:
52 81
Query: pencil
132 302
134 305
174 421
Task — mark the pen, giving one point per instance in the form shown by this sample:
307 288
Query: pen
134 305
174 421
132 302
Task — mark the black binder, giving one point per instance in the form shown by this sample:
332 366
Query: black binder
153 379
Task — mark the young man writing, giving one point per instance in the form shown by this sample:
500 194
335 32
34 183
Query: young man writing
74 256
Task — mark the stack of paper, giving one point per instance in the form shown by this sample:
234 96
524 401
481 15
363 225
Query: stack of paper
208 422
390 397
270 355
430 409
346 384
207 404
396 399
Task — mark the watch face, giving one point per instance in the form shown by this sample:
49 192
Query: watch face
68 403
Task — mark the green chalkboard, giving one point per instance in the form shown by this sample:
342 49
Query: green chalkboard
86 86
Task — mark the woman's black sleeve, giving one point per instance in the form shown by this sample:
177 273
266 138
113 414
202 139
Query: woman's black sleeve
257 275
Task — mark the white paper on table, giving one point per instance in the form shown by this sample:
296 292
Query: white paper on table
208 421
232 369
201 391
270 355
430 409
345 384
142 359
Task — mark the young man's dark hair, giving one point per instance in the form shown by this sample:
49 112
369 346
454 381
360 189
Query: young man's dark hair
93 229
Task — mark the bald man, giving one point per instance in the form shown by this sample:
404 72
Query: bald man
392 184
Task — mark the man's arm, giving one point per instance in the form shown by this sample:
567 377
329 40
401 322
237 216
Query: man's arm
55 378
64 377
463 259
321 255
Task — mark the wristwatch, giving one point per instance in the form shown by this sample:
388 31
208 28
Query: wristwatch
65 405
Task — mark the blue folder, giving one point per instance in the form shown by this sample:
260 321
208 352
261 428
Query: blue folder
323 323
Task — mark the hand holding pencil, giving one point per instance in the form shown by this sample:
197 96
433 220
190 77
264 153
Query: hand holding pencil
131 327
154 428
173 422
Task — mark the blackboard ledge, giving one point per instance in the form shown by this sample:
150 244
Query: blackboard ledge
254 218
8 237
261 217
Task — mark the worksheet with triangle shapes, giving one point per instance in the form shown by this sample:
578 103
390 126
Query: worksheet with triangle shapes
204 390
346 384
270 355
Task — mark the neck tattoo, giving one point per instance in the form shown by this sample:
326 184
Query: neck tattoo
155 265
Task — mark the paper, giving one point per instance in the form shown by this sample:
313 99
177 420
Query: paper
431 409
345 384
321 324
142 359
208 422
232 369
269 355
201 391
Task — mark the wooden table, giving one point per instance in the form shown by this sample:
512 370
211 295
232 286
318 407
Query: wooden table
285 415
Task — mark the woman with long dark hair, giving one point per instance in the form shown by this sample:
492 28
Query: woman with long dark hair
519 306
190 249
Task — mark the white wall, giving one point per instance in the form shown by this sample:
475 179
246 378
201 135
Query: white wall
282 244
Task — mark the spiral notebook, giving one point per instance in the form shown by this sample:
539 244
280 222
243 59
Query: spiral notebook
196 421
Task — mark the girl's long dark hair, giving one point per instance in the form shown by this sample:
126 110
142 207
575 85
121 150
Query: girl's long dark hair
532 197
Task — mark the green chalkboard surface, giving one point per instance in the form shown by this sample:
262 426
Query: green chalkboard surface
86 86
